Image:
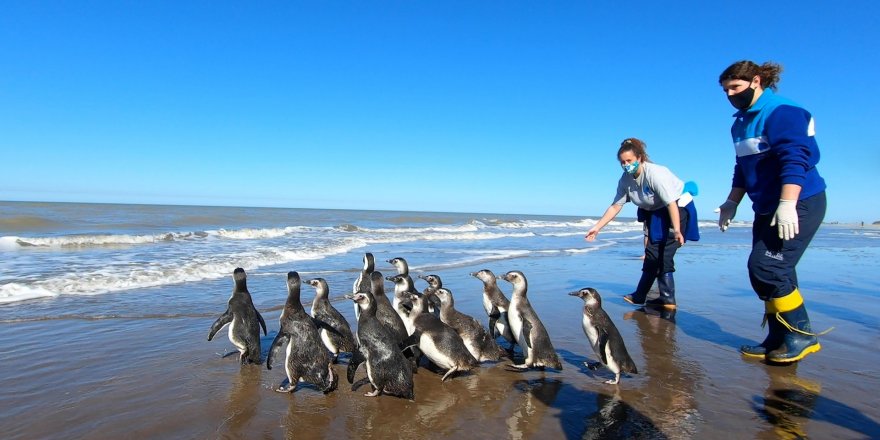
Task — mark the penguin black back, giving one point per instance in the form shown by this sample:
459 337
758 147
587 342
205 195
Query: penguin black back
244 320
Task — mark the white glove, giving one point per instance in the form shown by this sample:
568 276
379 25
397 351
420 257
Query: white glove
726 212
787 218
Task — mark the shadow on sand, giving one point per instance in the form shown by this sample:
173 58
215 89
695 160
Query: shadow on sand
590 415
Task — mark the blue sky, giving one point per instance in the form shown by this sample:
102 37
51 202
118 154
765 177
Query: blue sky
508 107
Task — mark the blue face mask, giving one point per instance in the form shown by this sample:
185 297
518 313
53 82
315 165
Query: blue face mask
631 168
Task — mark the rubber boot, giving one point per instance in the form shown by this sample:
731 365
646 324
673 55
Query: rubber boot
775 331
638 297
666 286
798 339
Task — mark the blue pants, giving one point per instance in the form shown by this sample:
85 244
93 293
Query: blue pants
773 260
660 256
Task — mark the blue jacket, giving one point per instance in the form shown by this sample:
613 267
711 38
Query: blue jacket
775 144
659 223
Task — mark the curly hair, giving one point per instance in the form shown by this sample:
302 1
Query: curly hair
635 146
746 70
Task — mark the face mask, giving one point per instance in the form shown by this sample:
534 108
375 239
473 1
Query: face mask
631 168
742 100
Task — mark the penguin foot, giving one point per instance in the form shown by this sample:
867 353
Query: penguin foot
614 381
333 382
373 393
286 387
448 373
517 368
592 365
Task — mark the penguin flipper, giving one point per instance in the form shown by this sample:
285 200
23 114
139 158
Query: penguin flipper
224 319
411 341
494 314
357 358
363 381
262 322
603 342
527 330
280 339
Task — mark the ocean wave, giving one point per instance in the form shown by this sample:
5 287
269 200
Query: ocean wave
13 292
99 239
474 257
120 276
252 234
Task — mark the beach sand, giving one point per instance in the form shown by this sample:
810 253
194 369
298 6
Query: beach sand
158 377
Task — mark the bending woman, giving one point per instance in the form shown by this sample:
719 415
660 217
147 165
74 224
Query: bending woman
670 217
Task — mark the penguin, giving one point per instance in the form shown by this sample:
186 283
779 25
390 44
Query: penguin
244 321
362 283
402 267
388 371
307 358
496 306
332 327
385 311
604 337
527 328
388 315
475 337
403 290
434 283
438 342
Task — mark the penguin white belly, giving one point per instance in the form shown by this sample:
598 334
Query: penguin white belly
487 305
325 338
429 349
516 326
502 326
592 335
472 347
370 374
287 363
233 337
612 365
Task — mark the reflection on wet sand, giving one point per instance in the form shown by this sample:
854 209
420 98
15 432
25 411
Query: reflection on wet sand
787 403
615 419
242 402
671 378
533 399
790 402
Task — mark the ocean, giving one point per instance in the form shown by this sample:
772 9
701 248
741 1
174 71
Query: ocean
105 309
69 250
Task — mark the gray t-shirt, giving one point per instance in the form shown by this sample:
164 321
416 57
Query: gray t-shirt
655 188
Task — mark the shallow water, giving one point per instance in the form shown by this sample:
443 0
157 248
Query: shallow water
137 361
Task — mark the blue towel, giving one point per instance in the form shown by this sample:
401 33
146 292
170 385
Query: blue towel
658 225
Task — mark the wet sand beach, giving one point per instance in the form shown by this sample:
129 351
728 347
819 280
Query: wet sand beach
146 370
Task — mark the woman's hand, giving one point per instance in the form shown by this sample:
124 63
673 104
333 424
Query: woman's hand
591 234
679 237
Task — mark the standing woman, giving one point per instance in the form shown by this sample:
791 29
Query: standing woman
670 218
776 156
